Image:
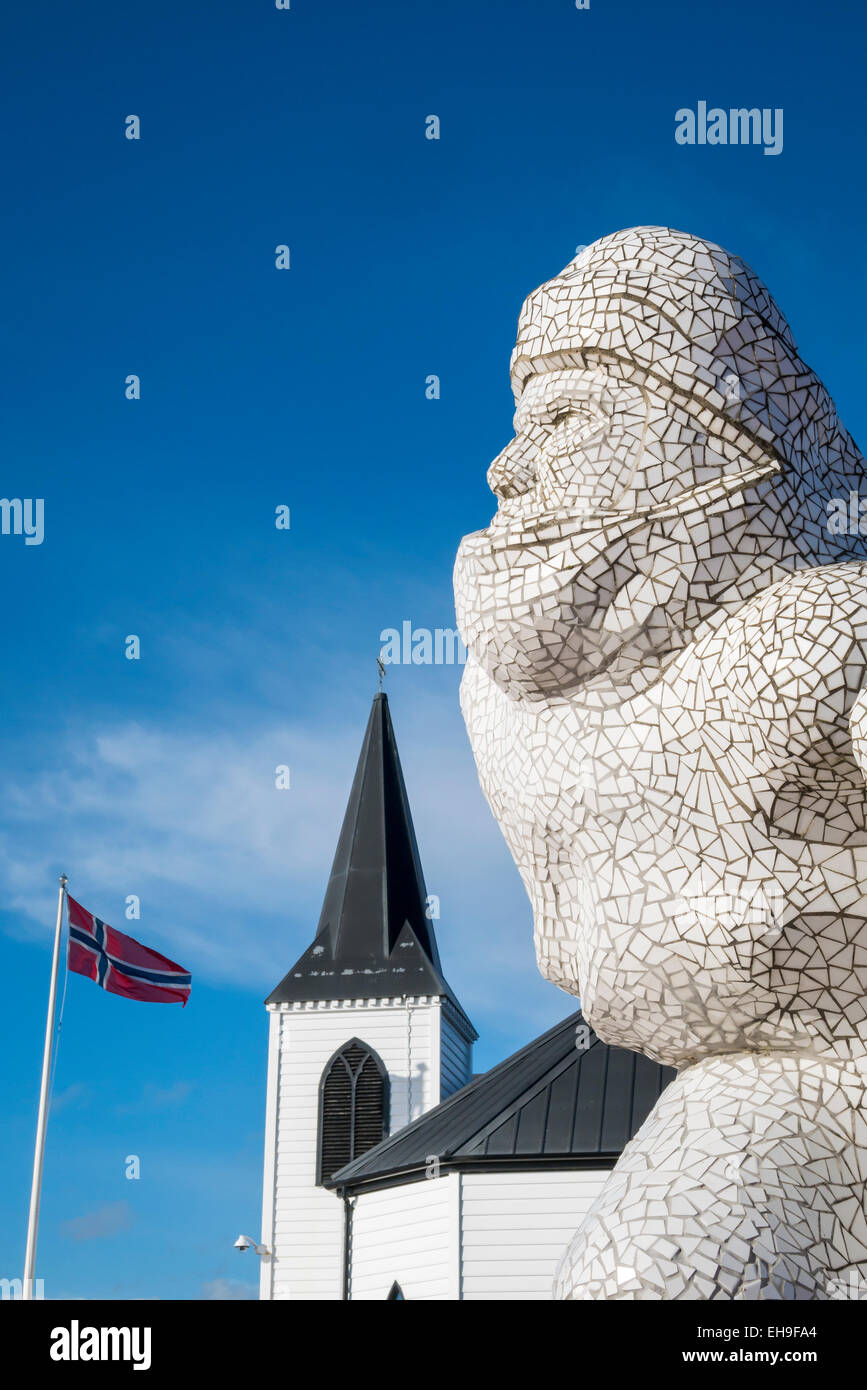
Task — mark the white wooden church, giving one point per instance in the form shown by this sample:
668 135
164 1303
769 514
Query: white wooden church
390 1170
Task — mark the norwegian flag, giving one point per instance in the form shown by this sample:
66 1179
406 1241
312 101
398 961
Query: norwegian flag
120 964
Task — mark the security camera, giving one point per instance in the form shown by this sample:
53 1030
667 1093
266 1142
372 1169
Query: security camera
247 1243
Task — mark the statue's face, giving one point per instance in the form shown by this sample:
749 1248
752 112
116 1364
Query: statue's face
672 455
572 576
577 447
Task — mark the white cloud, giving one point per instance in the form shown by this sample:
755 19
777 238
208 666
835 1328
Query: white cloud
107 1220
233 1290
231 871
68 1096
157 1098
191 823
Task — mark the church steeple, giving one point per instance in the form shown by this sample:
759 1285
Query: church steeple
365 1035
374 939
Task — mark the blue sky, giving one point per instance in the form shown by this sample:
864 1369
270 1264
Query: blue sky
304 388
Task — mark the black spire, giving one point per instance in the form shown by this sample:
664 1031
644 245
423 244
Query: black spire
374 938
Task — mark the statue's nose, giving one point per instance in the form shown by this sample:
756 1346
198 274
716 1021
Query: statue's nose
514 470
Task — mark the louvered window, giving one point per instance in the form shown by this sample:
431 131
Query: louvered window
353 1107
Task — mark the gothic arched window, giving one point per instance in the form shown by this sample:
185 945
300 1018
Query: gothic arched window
353 1106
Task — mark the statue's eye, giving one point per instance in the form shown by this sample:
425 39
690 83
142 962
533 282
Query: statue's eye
577 414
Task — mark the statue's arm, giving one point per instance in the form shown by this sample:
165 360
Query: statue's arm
498 740
858 729
793 671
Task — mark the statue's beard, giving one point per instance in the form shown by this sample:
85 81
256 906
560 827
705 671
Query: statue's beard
553 615
548 602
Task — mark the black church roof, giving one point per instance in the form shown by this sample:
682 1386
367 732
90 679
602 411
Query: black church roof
374 939
556 1103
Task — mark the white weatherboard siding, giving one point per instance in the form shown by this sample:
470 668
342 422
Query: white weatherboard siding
302 1223
494 1236
406 1234
456 1053
515 1228
265 1265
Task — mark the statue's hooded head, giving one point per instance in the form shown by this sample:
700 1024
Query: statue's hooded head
672 456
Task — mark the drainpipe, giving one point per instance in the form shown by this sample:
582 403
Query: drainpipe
348 1204
413 1005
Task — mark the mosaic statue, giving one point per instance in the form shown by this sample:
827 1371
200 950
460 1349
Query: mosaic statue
666 695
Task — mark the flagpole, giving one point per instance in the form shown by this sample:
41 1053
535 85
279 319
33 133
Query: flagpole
42 1121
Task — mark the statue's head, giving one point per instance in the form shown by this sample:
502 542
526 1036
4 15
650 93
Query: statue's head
672 456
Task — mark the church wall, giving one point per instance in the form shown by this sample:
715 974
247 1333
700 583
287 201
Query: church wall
455 1057
305 1222
408 1234
496 1236
515 1228
268 1182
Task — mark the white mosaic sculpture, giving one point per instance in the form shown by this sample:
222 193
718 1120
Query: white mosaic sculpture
666 695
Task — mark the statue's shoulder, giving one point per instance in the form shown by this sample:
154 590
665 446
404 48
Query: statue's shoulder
795 638
809 603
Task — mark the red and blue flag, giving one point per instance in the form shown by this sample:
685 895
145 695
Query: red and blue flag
120 964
